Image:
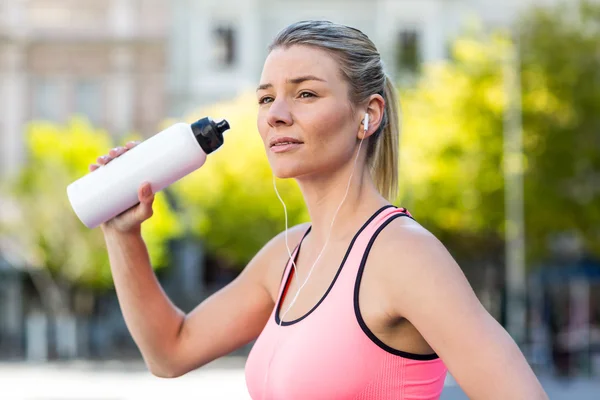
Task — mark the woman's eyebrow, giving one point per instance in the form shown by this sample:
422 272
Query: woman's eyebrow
293 81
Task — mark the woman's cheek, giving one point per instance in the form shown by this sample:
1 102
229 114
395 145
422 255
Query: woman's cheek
262 126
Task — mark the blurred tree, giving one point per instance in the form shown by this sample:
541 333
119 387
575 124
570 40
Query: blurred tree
46 226
451 149
560 48
451 154
230 202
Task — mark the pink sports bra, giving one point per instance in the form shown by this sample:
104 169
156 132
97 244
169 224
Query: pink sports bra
330 353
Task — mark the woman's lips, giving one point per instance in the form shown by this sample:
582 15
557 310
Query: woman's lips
282 148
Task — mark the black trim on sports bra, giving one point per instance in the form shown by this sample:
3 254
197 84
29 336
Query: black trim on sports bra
359 318
295 256
289 275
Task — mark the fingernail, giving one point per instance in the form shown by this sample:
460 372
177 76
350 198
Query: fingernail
147 191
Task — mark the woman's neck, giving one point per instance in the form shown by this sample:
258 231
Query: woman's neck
323 196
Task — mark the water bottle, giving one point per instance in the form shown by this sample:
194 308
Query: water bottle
160 160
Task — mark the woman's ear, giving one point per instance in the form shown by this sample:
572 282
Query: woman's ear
375 109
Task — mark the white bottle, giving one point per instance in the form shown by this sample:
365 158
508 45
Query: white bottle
161 160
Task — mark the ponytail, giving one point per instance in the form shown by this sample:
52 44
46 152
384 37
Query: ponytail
384 159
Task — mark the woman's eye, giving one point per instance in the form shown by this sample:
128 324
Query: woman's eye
306 95
265 100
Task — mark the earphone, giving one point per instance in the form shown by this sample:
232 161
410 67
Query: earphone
281 319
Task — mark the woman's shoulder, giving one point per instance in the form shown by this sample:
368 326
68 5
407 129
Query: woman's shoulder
294 235
277 243
409 245
409 262
406 231
275 252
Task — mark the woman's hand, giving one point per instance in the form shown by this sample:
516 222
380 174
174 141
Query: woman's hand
130 220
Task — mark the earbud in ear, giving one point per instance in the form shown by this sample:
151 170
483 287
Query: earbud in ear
366 122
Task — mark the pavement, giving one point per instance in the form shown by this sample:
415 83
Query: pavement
223 379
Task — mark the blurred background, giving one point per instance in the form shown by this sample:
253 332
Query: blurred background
500 158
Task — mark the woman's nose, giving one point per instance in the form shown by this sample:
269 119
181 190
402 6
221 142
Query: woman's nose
279 113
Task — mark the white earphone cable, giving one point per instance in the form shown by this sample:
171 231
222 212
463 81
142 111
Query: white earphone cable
366 127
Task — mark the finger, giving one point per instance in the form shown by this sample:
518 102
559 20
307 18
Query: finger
93 167
103 160
131 145
121 151
116 152
146 197
144 210
124 149
144 192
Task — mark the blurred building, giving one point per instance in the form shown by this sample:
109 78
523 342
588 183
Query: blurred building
128 64
105 59
218 46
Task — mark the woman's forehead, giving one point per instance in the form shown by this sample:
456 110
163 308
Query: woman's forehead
288 63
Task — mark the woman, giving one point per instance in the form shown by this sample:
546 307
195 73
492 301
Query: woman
382 302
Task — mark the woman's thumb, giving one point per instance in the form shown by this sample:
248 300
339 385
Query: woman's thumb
146 198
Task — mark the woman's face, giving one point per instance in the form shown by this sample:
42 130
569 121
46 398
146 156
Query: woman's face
305 117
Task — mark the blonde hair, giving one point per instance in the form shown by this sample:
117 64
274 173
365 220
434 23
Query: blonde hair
361 66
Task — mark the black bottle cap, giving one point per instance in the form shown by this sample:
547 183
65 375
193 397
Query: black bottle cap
209 133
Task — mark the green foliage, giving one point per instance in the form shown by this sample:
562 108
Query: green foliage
46 225
230 202
451 154
452 141
561 79
452 148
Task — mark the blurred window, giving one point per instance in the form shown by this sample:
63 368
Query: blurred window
225 46
408 51
47 99
153 16
88 99
48 14
67 14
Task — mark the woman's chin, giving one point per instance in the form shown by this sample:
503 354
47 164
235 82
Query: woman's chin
284 173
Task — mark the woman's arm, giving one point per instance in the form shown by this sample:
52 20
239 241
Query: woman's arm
173 343
429 289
